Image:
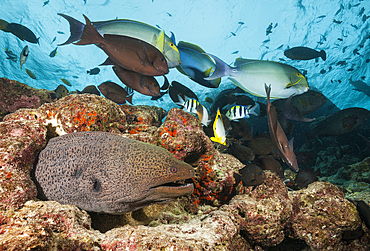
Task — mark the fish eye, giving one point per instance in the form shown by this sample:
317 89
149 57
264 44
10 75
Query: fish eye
173 169
97 186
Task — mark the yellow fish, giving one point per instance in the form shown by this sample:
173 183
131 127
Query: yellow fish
66 81
31 74
219 130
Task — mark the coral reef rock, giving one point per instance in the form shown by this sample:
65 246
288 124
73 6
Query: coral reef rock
212 218
15 95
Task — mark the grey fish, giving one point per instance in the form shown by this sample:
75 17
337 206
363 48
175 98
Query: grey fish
94 71
24 55
250 175
22 32
105 172
304 53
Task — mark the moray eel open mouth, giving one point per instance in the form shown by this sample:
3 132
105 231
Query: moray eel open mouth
175 188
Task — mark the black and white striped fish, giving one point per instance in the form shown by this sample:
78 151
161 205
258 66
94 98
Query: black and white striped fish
240 111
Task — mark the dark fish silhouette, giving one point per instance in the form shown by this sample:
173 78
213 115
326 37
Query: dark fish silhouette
342 122
250 175
115 92
20 31
90 89
305 177
93 71
127 52
304 53
360 86
364 212
278 137
291 112
178 89
146 85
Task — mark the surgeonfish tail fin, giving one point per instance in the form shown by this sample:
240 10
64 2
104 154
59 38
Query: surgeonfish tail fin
129 99
222 69
181 100
89 35
76 28
323 55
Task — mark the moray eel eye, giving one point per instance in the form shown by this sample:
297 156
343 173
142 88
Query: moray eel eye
173 169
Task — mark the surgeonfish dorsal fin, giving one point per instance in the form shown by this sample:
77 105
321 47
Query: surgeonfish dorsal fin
240 61
159 43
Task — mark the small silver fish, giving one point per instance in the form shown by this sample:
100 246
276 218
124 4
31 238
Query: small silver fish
24 55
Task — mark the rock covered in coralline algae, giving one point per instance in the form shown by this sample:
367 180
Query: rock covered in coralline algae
142 121
321 214
15 95
48 225
264 211
20 143
258 217
75 113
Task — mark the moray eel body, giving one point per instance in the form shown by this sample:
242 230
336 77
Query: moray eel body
104 172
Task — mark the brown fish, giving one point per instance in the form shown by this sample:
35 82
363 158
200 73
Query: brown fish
278 137
146 85
250 175
115 92
129 53
342 122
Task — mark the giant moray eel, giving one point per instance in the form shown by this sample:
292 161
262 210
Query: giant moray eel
104 172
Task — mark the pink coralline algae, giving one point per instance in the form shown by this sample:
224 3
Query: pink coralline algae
212 218
321 214
75 113
20 143
15 95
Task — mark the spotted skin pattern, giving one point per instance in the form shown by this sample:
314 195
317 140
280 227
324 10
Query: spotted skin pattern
104 172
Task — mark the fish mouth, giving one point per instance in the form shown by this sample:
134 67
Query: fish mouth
174 189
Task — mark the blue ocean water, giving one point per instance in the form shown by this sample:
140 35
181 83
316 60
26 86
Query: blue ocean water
341 28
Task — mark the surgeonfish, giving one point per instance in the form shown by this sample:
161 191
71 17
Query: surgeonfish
31 74
342 122
176 89
127 52
20 31
65 81
23 56
90 89
203 115
304 53
61 91
190 105
250 175
252 75
219 130
130 28
146 85
240 111
196 64
115 92
278 137
292 112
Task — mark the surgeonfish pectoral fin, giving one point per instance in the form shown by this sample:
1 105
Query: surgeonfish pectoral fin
222 69
89 35
159 44
76 28
109 61
143 55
